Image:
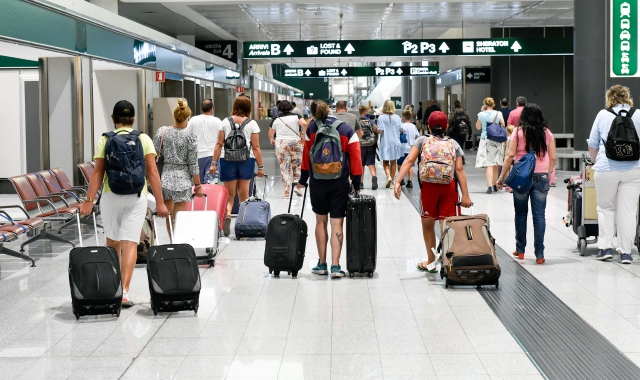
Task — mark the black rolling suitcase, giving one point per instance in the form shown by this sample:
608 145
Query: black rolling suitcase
174 279
286 242
361 235
94 279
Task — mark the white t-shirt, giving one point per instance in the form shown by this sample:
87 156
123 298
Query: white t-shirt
412 134
206 129
249 129
287 131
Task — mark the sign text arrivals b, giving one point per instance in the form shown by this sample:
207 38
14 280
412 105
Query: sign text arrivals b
408 48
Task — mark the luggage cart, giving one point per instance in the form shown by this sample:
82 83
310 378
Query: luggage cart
582 207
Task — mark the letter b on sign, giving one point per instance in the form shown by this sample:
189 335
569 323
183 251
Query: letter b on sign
275 49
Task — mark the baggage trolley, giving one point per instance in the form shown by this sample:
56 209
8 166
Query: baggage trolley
582 206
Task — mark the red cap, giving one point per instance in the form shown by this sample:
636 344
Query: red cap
438 118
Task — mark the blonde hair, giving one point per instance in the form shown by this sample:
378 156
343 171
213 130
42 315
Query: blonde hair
406 114
489 102
322 110
510 129
388 107
618 94
182 112
363 110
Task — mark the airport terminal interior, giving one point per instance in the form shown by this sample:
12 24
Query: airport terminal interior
66 64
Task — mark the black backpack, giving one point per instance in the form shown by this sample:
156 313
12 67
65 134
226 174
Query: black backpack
622 141
460 122
124 162
235 145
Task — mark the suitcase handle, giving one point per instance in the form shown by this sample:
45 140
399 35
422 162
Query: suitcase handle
193 200
155 227
304 198
459 204
95 228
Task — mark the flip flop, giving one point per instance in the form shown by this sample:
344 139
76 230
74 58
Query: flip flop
423 268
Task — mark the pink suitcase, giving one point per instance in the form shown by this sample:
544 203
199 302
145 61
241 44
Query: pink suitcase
217 196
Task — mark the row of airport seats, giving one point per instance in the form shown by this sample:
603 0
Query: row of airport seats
47 197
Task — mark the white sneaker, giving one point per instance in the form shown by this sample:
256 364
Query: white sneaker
126 300
297 191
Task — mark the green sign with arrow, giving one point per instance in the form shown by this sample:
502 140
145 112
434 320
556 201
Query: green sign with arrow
408 48
343 72
624 38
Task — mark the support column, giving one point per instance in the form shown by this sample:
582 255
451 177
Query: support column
405 88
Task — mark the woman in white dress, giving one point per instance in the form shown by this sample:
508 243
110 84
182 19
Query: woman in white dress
490 153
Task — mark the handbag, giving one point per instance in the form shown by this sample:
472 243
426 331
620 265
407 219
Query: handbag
159 156
496 132
521 177
403 138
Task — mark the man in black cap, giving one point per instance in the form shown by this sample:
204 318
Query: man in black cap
124 207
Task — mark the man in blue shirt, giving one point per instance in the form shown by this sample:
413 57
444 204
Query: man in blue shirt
274 110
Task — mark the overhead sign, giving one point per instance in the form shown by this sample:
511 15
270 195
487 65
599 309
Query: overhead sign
449 78
408 48
378 71
477 75
624 38
223 49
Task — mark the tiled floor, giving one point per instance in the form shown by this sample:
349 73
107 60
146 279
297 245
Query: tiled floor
400 324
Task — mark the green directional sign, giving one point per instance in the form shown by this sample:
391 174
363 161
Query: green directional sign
624 38
381 71
408 48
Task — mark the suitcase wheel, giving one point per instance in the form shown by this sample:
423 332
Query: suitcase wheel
77 315
294 274
289 273
351 274
270 271
497 284
276 273
118 313
370 274
446 284
583 246
195 309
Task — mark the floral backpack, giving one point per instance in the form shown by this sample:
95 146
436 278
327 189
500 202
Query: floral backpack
437 160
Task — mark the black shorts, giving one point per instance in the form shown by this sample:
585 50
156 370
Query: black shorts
368 155
329 197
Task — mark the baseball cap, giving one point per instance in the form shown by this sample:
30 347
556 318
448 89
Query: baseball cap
438 118
123 109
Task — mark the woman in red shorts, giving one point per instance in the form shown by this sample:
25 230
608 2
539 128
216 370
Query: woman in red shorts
438 200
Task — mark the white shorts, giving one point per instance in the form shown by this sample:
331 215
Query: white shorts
123 215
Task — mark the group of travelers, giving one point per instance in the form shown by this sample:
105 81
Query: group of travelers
180 156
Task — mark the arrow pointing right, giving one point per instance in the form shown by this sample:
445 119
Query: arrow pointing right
516 47
444 47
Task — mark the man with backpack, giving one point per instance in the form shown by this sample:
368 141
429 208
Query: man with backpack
331 155
459 124
124 195
368 146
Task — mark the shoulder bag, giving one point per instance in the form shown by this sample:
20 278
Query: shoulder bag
521 177
159 155
496 132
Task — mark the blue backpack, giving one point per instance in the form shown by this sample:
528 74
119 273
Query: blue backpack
326 152
124 162
521 176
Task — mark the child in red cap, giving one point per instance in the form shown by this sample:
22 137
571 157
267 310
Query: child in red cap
439 169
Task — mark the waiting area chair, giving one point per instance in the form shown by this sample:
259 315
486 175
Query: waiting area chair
11 230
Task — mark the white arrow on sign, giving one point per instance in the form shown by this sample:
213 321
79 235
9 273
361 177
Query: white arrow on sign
288 49
307 73
470 76
516 46
349 49
399 71
444 47
343 72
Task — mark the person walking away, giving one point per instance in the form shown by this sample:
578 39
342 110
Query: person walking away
238 149
123 212
331 155
295 110
274 110
286 134
343 114
617 182
438 181
490 153
410 132
504 108
206 128
306 111
510 129
532 134
459 125
432 107
390 149
180 171
368 146
514 115
419 116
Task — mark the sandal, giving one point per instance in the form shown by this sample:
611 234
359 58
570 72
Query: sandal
423 267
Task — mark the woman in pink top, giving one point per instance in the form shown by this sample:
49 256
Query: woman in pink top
531 134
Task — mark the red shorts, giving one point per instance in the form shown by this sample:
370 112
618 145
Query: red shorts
438 201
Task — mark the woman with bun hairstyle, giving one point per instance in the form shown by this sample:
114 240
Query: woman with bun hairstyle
180 172
490 153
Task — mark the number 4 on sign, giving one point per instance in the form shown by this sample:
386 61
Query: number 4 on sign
227 52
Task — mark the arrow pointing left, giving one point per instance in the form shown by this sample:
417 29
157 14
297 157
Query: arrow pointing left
516 47
288 49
